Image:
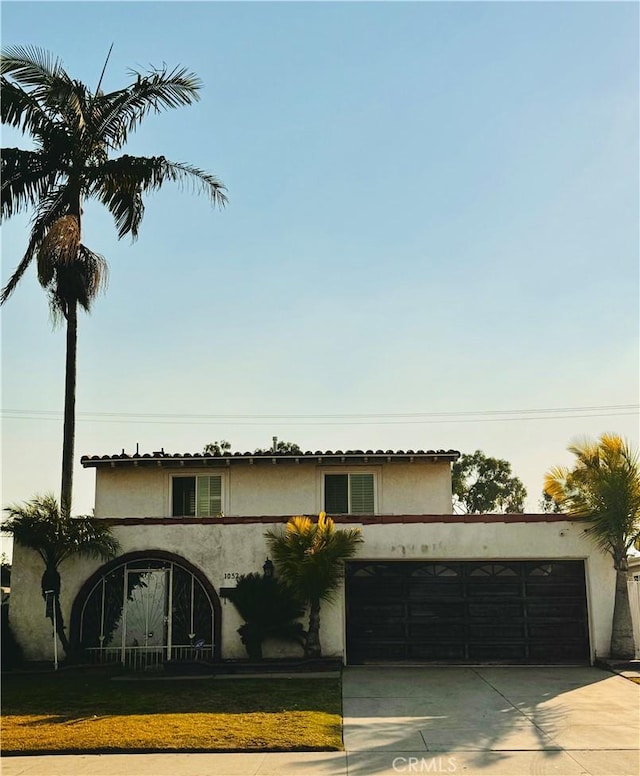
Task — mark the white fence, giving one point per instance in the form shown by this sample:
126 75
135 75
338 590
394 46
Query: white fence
149 658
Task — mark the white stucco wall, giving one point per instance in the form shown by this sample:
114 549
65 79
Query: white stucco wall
281 489
131 493
215 549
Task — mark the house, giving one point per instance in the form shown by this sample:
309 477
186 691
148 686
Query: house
634 597
426 585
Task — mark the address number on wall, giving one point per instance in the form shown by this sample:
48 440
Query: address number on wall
230 578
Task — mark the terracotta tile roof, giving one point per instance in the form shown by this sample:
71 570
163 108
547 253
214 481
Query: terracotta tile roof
160 458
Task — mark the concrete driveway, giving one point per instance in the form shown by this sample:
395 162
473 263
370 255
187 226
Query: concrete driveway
494 720
445 720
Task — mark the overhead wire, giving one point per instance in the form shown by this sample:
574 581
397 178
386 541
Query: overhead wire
391 418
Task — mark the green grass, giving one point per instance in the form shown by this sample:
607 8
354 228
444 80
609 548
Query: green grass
83 712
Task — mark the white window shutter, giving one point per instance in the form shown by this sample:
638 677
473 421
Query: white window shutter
209 495
361 486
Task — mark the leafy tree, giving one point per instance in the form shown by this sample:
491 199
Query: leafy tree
75 130
281 447
481 484
42 526
603 488
310 558
269 609
547 505
217 448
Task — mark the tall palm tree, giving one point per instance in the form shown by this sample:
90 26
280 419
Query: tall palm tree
74 131
310 558
42 526
603 488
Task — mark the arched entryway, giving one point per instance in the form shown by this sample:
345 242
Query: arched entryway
144 609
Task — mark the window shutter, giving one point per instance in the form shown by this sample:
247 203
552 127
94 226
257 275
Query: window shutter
361 493
209 496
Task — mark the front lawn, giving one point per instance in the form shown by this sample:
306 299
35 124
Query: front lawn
83 712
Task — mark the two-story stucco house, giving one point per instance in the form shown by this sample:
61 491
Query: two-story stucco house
427 585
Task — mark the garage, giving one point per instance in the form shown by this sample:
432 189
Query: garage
532 611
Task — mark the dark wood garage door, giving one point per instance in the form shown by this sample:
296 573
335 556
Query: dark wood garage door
476 611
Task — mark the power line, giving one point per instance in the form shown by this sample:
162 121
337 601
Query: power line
405 418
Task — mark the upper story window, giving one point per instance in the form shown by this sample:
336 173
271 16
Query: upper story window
349 494
199 496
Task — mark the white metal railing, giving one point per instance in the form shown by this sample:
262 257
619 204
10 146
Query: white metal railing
148 658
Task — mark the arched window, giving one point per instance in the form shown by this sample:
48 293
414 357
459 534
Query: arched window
146 608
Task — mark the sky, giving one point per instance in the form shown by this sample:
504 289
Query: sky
431 239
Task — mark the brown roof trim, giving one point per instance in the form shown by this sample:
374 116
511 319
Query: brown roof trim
173 460
351 519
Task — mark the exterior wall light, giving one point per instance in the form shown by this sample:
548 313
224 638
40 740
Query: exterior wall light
267 569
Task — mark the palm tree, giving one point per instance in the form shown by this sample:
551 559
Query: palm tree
310 558
74 131
42 526
603 488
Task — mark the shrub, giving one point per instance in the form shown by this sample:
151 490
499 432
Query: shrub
269 610
11 651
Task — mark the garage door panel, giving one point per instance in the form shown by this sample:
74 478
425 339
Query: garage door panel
493 609
559 610
434 588
436 651
492 592
440 609
491 651
509 611
446 631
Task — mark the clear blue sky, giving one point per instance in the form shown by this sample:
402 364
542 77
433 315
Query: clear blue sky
433 208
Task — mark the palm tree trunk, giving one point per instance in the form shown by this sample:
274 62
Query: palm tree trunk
312 646
622 641
68 441
60 627
50 584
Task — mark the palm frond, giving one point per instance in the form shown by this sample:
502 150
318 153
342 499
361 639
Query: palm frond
26 178
21 110
120 112
46 84
310 555
602 488
88 537
122 196
31 66
119 185
39 525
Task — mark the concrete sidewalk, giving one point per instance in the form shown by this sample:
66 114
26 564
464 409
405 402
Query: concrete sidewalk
494 721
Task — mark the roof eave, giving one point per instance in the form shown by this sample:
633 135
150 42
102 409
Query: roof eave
331 458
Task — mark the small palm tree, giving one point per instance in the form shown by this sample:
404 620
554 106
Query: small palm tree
75 130
603 488
42 526
310 559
